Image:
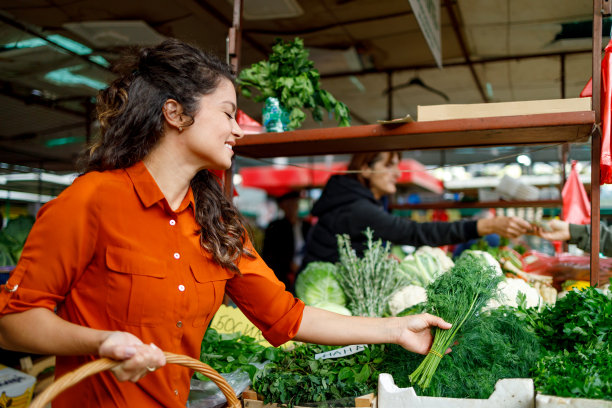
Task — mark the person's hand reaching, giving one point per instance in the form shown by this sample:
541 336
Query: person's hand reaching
509 227
554 230
415 332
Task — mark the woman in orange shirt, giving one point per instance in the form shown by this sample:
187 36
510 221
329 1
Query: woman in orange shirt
136 255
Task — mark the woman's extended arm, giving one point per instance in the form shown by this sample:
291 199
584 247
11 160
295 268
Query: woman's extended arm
41 331
411 332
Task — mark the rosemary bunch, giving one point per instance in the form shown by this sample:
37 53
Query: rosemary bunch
456 296
368 282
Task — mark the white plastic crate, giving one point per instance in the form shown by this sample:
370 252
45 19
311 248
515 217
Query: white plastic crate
549 401
508 393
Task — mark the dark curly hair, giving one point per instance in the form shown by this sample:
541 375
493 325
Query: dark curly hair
132 122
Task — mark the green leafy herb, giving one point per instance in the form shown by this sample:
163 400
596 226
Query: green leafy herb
582 373
456 296
298 378
228 352
497 344
290 76
370 281
577 332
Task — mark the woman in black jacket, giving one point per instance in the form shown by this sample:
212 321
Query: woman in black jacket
350 203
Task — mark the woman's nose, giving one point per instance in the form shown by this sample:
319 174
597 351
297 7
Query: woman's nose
237 131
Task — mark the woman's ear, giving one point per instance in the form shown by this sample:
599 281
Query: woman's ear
173 113
366 171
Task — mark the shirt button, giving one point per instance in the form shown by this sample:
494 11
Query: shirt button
175 392
179 324
177 255
182 288
172 222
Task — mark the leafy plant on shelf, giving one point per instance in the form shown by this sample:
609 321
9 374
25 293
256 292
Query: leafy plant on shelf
290 76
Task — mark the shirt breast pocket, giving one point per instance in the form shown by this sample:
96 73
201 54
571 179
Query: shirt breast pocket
136 287
210 288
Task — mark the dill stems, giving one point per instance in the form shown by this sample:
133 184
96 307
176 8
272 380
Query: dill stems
456 296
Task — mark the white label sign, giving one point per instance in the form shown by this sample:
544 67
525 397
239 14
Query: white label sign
427 13
341 352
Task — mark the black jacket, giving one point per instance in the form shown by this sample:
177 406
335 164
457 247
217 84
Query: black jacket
279 248
348 207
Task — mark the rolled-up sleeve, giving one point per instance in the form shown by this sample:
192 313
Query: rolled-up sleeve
57 250
264 300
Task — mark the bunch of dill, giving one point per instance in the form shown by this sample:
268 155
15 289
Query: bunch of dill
370 281
456 296
497 344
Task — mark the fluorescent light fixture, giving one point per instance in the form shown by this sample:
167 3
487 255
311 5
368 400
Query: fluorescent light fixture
60 41
524 160
61 141
28 197
66 76
64 180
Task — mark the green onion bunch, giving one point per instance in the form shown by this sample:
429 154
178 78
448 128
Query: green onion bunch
456 296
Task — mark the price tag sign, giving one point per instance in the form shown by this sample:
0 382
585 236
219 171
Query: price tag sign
230 320
341 352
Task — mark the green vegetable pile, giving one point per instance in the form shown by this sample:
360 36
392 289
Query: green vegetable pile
12 239
494 345
456 296
577 334
229 352
297 378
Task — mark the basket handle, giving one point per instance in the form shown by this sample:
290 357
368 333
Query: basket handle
97 366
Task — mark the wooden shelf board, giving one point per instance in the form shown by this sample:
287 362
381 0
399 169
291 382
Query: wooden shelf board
489 204
537 129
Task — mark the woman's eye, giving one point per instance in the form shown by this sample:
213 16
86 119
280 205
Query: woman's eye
229 115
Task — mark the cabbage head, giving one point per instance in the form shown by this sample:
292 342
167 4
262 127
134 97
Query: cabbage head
317 283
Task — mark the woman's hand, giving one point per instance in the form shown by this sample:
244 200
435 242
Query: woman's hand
139 359
415 331
509 227
554 230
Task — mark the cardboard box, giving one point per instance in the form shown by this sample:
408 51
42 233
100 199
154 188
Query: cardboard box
484 110
16 388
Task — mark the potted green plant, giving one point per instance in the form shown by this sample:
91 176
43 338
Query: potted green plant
289 76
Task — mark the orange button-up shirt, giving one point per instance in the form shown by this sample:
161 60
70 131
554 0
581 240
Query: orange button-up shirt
109 253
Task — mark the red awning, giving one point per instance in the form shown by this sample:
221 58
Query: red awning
278 180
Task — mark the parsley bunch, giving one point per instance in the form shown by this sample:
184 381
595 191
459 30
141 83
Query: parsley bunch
229 352
577 334
298 378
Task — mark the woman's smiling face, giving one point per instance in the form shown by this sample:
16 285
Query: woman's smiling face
213 134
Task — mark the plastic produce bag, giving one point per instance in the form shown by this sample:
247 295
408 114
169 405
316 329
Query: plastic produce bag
576 205
206 394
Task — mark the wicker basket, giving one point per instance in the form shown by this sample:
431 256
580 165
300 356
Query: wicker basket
103 364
